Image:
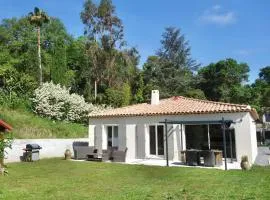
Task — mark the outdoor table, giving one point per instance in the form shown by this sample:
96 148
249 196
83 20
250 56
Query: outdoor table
91 157
211 157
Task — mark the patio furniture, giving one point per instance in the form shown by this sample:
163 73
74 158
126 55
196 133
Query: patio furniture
105 155
183 156
119 156
94 156
81 150
209 158
114 155
192 157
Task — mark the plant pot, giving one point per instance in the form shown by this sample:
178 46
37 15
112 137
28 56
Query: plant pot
245 165
67 154
2 169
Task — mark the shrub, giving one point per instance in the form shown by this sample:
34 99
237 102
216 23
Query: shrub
56 102
5 142
13 101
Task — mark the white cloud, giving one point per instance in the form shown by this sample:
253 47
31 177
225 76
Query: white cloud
249 51
216 15
243 52
216 7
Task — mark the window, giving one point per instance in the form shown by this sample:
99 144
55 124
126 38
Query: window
112 139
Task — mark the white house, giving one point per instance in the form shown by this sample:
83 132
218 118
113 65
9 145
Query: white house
139 128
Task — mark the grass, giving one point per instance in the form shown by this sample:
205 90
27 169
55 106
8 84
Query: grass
60 179
27 125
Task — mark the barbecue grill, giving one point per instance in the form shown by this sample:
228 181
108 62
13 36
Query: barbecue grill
31 152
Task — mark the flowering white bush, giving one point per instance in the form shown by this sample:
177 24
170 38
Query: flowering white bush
56 102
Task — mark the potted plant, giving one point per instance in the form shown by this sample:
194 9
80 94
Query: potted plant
67 154
245 163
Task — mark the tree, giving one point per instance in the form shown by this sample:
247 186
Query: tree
262 88
171 70
266 97
138 88
56 43
38 18
118 97
105 32
265 74
218 79
175 50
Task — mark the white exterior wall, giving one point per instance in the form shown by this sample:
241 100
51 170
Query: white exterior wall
253 139
98 137
245 133
177 142
50 147
171 137
245 138
91 135
122 136
140 138
131 141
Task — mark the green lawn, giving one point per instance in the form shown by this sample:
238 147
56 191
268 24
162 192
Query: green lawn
27 125
60 179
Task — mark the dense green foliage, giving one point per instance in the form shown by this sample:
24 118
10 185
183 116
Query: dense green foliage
60 179
101 66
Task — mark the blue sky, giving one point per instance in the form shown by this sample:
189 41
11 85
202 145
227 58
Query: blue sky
215 29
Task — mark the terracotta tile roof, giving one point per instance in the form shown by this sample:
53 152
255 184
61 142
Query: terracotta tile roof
5 125
177 105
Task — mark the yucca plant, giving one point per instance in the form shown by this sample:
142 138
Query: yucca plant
38 18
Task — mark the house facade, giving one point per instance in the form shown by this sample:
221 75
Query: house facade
140 128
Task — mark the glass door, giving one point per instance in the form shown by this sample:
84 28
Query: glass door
112 137
156 137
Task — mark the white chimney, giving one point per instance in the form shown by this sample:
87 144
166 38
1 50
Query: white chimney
155 97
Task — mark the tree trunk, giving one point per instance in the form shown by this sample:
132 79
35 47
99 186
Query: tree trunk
95 90
39 57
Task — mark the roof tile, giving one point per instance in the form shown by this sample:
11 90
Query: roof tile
176 106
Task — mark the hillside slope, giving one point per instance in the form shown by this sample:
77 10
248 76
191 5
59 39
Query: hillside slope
27 125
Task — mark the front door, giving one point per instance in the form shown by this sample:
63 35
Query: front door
156 136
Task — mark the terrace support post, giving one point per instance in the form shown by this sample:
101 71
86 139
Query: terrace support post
261 134
167 153
224 142
208 135
181 126
230 134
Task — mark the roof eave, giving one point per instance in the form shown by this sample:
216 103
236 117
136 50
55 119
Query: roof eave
252 112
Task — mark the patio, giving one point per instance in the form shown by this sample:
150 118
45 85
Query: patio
162 162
